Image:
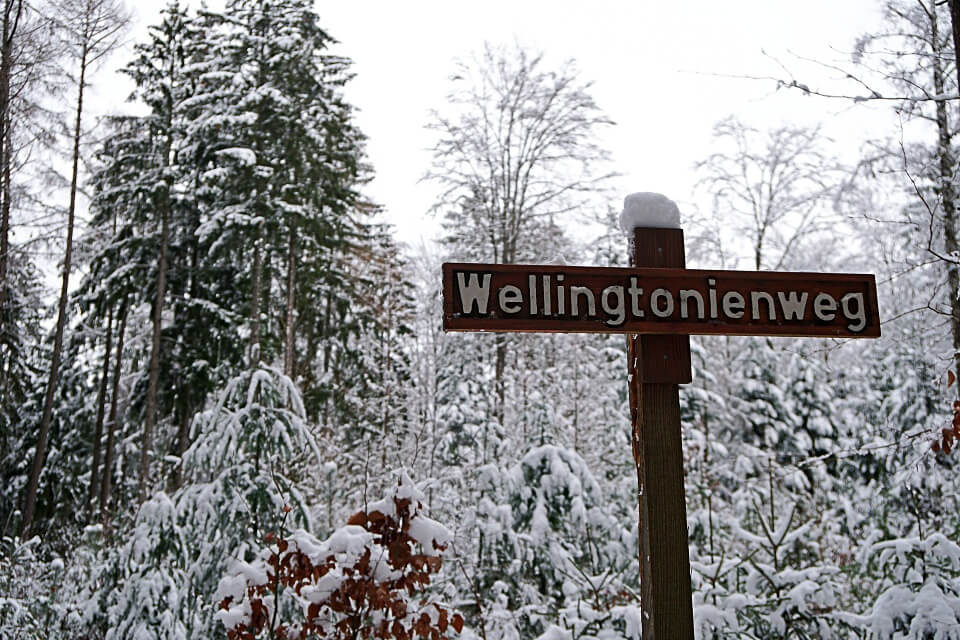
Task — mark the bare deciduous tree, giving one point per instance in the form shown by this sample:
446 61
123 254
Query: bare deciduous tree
913 63
520 145
13 13
27 74
518 149
774 189
90 30
916 56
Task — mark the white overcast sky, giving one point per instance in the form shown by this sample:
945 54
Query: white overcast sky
657 68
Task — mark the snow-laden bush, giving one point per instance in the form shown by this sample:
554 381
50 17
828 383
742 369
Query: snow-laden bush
556 561
366 579
41 591
918 580
250 448
22 587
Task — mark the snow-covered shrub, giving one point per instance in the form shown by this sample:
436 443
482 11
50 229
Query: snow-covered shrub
918 580
557 557
40 590
365 580
250 449
769 579
20 588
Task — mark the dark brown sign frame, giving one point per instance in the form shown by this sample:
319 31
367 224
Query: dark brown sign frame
669 301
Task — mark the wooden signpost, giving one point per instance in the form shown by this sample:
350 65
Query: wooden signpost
658 303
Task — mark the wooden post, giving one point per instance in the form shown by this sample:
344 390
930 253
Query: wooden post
658 364
542 298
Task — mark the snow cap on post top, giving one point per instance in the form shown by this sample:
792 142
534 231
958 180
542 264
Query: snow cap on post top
648 209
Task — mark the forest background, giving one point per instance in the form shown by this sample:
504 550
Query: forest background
236 354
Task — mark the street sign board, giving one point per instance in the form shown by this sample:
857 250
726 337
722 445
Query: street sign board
635 300
659 304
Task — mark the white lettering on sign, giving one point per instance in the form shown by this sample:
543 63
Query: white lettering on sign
666 309
511 298
685 296
825 307
575 294
472 293
712 292
859 314
617 311
793 307
546 295
635 293
755 298
560 296
549 295
532 284
733 305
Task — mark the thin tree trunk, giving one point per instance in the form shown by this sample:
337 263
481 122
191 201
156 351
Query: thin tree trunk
291 287
5 208
183 433
950 224
98 429
325 330
151 405
183 437
105 485
6 333
30 497
947 191
500 363
324 338
500 367
10 24
255 303
6 53
955 26
266 286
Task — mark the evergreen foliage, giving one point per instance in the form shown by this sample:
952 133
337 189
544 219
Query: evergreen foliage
248 332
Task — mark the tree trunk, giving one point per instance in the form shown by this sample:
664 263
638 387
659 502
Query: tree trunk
30 497
325 330
183 437
151 406
186 405
500 363
948 194
6 333
288 359
6 52
112 420
255 303
955 26
500 367
950 225
98 429
10 24
324 339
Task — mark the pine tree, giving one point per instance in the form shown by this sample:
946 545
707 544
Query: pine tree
253 450
145 209
559 556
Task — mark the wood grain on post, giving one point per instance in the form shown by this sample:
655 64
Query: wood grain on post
658 364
